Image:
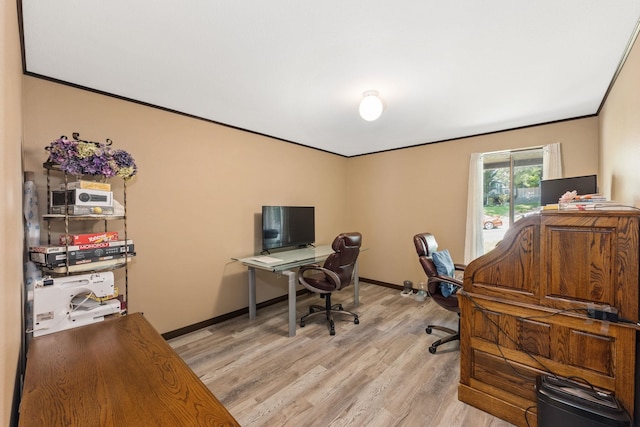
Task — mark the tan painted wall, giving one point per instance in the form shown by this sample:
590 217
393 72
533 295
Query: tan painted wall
620 135
11 233
196 200
194 204
398 194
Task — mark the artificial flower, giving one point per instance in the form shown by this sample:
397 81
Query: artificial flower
77 157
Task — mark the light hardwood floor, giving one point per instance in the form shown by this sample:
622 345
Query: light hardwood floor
377 373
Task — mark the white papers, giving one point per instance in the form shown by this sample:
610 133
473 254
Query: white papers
266 259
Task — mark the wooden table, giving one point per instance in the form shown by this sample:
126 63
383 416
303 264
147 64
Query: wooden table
119 372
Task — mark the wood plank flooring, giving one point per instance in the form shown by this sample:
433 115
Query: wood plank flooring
377 373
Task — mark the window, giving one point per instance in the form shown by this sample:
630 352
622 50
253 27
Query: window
506 184
511 190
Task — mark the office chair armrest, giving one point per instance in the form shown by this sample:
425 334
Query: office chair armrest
449 279
460 267
332 276
310 267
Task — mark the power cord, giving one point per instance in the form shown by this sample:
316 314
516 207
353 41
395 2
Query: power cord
500 330
484 312
526 414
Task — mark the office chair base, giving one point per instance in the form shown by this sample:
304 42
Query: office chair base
430 329
328 311
455 335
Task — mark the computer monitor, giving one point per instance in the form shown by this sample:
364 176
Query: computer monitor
552 189
287 226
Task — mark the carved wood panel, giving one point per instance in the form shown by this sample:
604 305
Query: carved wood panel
590 260
579 261
591 351
511 268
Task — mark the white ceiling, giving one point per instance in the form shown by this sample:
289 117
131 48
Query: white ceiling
296 70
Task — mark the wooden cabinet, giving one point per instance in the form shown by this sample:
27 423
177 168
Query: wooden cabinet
524 311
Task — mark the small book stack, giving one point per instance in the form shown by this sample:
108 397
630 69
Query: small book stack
584 202
587 202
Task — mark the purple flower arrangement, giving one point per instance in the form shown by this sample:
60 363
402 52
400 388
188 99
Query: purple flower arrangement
77 157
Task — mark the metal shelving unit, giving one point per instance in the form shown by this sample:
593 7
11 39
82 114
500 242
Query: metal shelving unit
68 219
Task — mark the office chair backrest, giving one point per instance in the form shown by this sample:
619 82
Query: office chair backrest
426 245
343 260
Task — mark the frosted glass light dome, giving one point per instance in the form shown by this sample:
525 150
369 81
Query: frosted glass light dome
371 106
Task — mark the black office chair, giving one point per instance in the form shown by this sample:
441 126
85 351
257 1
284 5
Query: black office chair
426 245
335 274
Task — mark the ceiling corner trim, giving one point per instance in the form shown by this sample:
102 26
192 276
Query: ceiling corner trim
623 59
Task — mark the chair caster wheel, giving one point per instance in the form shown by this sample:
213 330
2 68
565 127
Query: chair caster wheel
432 350
356 321
428 330
332 331
301 324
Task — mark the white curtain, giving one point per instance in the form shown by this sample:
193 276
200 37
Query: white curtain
551 161
474 244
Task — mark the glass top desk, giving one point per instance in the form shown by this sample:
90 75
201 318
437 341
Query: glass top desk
286 262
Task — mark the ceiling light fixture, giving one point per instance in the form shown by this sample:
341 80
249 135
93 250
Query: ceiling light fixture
371 106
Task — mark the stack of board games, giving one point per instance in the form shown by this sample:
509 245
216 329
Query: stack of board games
83 256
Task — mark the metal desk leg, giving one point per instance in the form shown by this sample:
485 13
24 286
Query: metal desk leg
356 285
252 293
292 302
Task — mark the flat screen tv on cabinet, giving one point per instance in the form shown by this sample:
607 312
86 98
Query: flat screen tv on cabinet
287 226
552 189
